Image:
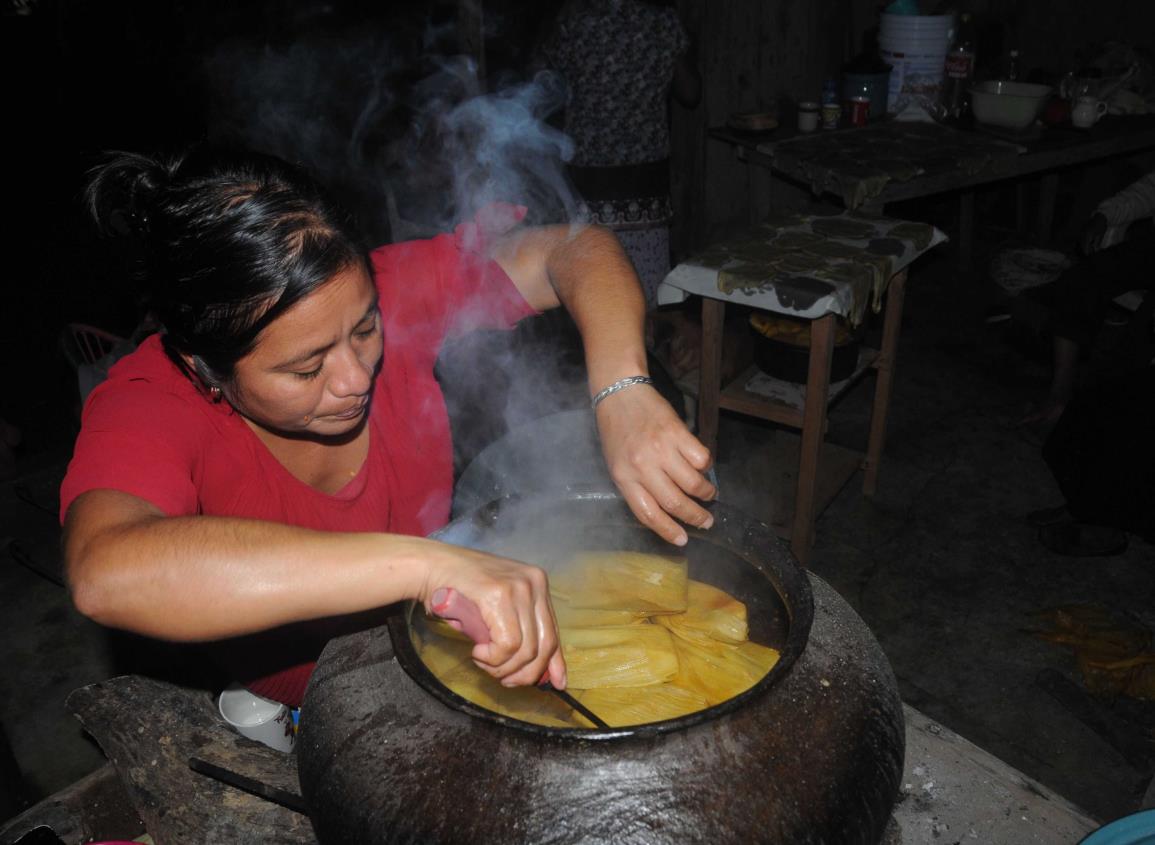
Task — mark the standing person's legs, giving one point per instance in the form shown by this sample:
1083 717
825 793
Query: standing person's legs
1102 455
1082 297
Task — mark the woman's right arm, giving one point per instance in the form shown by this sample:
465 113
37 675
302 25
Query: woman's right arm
197 578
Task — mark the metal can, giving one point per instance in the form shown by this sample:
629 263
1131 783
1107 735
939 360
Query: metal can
831 115
859 110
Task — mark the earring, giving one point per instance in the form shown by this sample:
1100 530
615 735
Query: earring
307 419
215 393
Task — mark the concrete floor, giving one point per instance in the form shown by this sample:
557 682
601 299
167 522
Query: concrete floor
940 564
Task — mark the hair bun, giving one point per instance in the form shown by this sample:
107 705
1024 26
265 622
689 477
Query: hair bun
123 189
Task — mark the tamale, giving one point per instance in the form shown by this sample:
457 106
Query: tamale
625 706
443 654
720 671
569 616
632 581
629 656
529 704
451 662
711 614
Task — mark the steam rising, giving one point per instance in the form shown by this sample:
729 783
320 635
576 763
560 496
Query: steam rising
415 145
435 150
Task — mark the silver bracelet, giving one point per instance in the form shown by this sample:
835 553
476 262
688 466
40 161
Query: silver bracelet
620 384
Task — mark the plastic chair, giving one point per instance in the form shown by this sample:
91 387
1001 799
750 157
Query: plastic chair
84 344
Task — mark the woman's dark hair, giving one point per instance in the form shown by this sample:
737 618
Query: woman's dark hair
231 240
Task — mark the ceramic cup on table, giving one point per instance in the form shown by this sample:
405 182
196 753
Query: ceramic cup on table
258 718
1087 111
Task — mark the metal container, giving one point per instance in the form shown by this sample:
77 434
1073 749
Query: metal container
812 753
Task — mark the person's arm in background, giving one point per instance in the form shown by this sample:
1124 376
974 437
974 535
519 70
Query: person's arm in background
653 458
1112 216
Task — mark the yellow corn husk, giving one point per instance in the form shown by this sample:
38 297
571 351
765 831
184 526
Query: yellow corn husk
711 614
626 706
442 654
528 704
450 660
569 616
641 583
438 626
720 671
630 656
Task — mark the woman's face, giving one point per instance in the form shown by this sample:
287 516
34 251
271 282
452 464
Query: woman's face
311 371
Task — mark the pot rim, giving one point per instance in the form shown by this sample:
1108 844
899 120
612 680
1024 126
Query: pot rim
786 577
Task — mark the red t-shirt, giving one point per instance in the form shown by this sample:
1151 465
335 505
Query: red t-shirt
150 432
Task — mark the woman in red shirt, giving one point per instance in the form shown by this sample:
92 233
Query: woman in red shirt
275 455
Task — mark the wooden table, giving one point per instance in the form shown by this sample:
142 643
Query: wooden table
818 269
994 156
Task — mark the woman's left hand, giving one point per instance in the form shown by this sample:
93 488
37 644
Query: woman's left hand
655 461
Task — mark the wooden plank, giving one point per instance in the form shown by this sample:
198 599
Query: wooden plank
150 728
735 396
1033 162
885 364
813 429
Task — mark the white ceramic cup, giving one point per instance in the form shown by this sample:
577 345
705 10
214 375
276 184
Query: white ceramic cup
1087 111
807 117
258 718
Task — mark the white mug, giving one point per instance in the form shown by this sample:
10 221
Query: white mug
258 718
1087 111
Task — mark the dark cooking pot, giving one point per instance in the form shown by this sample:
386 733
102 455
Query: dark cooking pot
813 753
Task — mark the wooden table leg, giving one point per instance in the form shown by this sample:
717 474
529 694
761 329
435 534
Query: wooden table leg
885 365
1048 190
966 227
710 372
813 431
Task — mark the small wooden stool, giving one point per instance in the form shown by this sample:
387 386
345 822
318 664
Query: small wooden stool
815 268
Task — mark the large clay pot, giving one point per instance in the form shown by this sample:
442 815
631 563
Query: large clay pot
813 753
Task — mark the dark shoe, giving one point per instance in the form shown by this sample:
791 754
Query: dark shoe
1047 516
1080 539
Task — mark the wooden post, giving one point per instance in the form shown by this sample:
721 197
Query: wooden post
813 431
885 366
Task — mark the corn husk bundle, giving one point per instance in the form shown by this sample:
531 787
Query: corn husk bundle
720 671
1115 654
569 616
451 661
711 615
630 581
623 706
630 656
642 643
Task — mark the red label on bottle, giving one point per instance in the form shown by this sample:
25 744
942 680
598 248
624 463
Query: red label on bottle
959 65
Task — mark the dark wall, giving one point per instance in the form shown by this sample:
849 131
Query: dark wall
134 74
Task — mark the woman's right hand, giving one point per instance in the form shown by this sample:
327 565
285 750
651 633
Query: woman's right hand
513 600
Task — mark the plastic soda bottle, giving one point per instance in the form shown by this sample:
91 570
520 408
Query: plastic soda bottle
959 70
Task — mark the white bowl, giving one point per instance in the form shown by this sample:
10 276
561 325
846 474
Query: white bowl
1014 105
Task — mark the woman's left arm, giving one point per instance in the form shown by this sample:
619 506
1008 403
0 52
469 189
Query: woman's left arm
653 458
